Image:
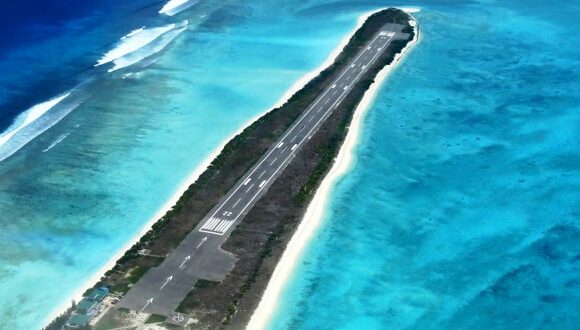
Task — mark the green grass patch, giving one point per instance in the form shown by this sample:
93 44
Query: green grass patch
205 284
155 318
136 273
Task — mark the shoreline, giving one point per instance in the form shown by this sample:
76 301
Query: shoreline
169 203
313 217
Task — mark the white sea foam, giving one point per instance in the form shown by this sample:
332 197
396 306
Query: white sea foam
134 41
36 121
58 140
410 10
134 32
154 46
173 7
28 117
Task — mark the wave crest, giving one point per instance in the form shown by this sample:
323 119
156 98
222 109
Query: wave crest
173 7
33 122
141 44
133 41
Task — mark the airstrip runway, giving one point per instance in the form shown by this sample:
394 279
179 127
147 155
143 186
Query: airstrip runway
199 255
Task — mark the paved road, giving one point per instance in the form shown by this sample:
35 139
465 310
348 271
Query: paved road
199 256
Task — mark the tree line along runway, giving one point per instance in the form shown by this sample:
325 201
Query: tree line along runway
199 255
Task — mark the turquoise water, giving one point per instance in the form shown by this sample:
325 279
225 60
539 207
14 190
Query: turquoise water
74 195
462 210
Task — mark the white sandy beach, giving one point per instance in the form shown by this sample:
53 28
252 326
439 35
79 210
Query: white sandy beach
315 211
77 295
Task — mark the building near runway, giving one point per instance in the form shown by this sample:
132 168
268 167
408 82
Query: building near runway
86 309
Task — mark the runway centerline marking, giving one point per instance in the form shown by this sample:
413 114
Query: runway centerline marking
290 130
239 199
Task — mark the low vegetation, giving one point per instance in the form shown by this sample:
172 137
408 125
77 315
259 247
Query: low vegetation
260 239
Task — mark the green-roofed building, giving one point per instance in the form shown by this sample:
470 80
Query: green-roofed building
85 305
98 294
87 308
78 321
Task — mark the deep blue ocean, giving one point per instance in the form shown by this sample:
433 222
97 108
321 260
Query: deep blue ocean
462 210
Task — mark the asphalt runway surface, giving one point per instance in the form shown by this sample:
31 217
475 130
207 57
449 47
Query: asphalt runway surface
199 255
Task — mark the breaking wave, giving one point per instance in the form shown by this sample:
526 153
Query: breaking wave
173 7
137 46
57 141
134 41
28 117
140 44
33 122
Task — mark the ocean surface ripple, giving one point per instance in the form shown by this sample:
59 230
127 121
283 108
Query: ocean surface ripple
463 208
461 211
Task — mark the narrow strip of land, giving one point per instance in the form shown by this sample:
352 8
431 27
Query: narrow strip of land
249 201
199 255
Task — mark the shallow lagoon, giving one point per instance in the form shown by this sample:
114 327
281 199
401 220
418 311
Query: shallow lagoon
74 195
462 210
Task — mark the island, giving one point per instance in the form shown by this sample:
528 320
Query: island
206 263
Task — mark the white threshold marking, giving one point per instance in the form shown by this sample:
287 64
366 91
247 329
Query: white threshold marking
222 225
228 226
217 226
210 223
216 223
